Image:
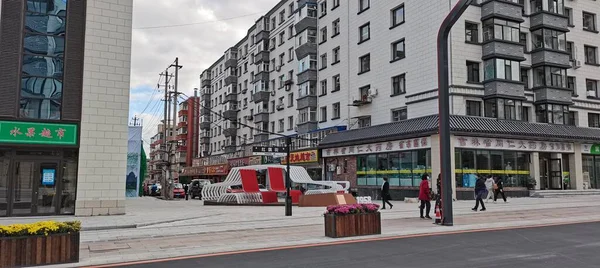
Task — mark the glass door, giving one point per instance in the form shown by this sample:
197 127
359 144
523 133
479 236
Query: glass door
556 176
4 180
25 173
46 186
544 172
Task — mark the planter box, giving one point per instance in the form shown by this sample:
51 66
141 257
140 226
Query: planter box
39 250
352 225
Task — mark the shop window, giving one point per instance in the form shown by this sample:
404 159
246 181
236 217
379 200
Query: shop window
512 166
402 169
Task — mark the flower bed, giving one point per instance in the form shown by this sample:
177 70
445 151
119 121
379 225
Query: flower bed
39 243
352 220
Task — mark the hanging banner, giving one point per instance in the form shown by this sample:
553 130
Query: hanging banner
132 182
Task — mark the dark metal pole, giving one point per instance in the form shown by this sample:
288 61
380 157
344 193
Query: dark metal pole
288 181
444 108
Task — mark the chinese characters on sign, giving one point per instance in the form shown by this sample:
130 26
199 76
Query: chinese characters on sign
382 147
272 151
513 145
302 157
38 133
590 149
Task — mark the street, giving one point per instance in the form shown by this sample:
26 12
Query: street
574 245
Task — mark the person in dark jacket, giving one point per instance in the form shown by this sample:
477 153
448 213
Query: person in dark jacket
385 193
499 189
480 192
185 190
424 196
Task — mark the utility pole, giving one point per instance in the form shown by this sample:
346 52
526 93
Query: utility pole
288 181
165 133
173 148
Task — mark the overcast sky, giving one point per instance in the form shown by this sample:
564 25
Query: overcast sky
197 46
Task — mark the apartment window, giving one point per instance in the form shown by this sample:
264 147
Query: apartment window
398 50
473 108
335 25
589 21
473 72
323 8
281 80
594 120
336 55
291 32
290 122
591 87
291 8
281 38
272 127
398 84
290 54
572 84
502 69
399 114
398 15
551 39
571 50
365 63
281 59
281 16
335 111
281 125
336 3
324 114
273 23
549 76
364 32
500 29
471 32
569 14
291 100
552 113
364 122
323 87
552 6
245 103
525 77
504 109
591 55
336 83
363 5
523 40
324 61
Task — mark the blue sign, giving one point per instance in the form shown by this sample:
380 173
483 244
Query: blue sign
48 177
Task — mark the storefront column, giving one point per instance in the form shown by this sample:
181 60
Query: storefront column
535 168
576 168
435 161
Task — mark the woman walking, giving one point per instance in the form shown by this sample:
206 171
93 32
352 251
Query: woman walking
480 192
425 196
499 189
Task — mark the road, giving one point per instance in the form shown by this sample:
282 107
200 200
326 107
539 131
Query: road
575 245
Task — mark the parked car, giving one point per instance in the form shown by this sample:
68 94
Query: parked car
155 189
240 189
178 191
195 188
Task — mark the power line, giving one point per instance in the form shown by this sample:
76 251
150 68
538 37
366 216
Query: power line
198 23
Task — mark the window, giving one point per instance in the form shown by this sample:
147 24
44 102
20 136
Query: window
272 127
501 30
553 6
335 110
398 85
273 23
552 114
571 50
291 8
290 54
364 33
336 83
324 114
591 55
594 120
364 122
549 76
281 59
398 15
398 52
290 122
281 80
525 77
473 108
323 8
363 5
569 14
281 125
291 32
281 38
523 40
291 100
473 72
550 39
336 27
323 87
324 61
323 34
504 109
572 84
589 21
502 69
336 55
281 16
471 32
399 114
336 3
591 86
365 63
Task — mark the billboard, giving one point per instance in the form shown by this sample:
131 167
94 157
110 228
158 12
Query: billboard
132 182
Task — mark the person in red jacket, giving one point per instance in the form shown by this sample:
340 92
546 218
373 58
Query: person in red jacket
424 196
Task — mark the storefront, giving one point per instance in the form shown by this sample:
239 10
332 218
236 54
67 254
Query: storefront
403 162
216 173
309 160
38 168
591 166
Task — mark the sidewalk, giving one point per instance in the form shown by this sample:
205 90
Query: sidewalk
243 228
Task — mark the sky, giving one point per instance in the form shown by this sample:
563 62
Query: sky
196 31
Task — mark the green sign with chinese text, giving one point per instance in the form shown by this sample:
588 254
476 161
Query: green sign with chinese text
38 133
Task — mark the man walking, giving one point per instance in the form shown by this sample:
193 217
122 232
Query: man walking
385 193
480 190
499 190
489 185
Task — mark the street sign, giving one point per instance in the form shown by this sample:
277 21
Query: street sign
271 151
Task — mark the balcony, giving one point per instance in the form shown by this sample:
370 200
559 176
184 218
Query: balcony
182 148
231 63
553 95
307 127
182 124
504 89
231 114
308 48
364 100
205 140
261 96
261 76
261 117
503 49
182 112
260 36
553 57
306 102
308 75
231 79
230 149
502 9
231 131
205 94
549 20
205 111
205 125
205 82
231 97
262 56
307 21
182 137
261 137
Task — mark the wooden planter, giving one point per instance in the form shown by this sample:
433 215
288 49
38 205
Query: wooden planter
352 225
39 250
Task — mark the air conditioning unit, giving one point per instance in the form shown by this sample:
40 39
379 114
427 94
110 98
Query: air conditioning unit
273 93
278 68
372 92
280 106
591 93
576 64
249 118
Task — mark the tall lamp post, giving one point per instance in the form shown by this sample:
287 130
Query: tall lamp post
288 181
444 108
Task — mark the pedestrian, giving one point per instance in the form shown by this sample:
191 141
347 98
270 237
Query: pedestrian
480 191
424 196
489 186
185 190
499 189
385 193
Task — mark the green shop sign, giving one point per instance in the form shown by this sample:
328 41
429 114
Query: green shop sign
38 133
595 149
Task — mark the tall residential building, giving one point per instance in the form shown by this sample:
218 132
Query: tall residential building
188 128
64 90
523 84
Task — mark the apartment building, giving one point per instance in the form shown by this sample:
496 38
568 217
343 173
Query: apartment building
523 84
